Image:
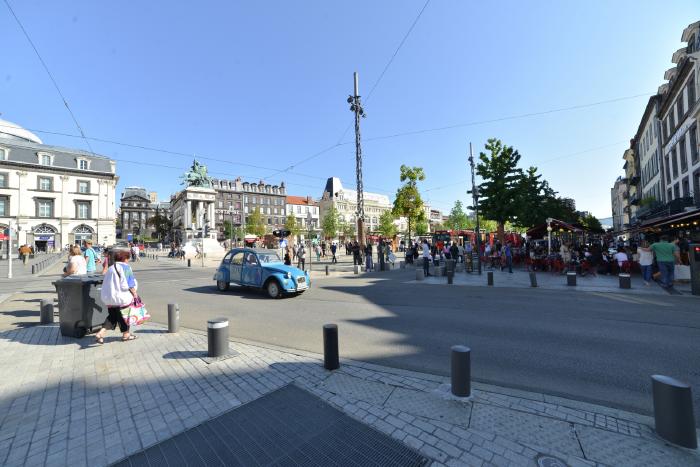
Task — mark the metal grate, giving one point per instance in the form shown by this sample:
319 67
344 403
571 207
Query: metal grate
286 427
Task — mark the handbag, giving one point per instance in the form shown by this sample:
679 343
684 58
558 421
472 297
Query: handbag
136 313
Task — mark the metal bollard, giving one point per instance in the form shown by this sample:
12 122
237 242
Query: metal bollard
461 371
327 271
533 279
571 278
173 317
625 281
33 268
189 263
331 359
217 337
489 276
46 311
356 268
673 411
420 274
450 276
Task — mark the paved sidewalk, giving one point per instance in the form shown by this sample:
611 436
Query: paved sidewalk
65 401
546 280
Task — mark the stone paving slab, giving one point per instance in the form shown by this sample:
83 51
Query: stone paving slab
69 401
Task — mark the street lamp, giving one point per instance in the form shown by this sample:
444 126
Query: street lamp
549 236
9 250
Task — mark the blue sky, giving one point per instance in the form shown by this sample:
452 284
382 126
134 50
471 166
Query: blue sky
264 84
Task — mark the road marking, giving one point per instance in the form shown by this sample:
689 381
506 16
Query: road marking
629 299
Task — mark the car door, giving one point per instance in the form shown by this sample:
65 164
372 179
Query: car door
224 271
252 271
236 266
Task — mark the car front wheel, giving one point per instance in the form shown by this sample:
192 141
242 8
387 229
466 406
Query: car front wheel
273 289
222 286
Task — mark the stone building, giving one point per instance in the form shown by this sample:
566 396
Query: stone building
136 207
54 196
304 209
345 202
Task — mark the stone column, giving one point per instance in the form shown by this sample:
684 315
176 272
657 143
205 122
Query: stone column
188 214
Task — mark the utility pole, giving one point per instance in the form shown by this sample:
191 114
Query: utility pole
356 106
475 201
10 250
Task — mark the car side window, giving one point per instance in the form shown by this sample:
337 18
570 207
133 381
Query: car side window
252 260
227 258
238 258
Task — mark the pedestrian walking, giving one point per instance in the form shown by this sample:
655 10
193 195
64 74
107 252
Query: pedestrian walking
454 252
646 261
118 293
317 249
301 257
426 257
355 248
368 257
334 248
380 254
508 253
323 249
91 258
666 258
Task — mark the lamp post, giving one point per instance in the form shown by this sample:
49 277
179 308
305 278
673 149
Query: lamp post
475 201
549 236
231 211
9 250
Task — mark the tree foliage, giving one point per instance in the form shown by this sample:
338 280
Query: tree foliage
330 223
256 224
290 223
422 227
161 224
458 219
386 225
590 222
408 202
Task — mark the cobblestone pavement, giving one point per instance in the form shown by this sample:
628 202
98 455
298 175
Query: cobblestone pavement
65 401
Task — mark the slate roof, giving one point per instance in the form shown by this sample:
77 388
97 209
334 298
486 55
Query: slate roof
26 153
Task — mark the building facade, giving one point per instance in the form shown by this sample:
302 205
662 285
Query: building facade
648 150
136 207
54 196
618 198
345 202
307 213
632 178
236 200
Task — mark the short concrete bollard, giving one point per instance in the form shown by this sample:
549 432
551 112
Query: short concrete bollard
173 317
625 281
46 311
673 411
327 271
420 274
331 357
533 279
489 277
356 268
461 371
217 337
571 278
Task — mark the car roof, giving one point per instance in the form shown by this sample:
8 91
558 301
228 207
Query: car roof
255 250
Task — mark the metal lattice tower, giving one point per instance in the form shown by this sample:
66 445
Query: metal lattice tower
356 107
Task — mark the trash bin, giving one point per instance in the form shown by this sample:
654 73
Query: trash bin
80 308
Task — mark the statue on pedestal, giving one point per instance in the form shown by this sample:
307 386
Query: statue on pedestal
197 176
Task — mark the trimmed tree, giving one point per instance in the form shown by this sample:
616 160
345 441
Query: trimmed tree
457 219
255 224
499 190
408 202
386 225
330 224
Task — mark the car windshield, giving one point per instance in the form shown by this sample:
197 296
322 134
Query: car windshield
269 258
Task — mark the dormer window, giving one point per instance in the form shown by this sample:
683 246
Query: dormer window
83 164
45 158
3 154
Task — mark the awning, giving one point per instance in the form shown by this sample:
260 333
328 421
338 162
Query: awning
670 219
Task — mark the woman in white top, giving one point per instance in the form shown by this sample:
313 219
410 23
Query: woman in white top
646 259
621 257
118 293
76 262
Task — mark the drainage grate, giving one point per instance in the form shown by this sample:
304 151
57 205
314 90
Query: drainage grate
286 427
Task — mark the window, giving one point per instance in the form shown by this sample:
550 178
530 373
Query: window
83 164
3 154
298 209
3 180
693 143
691 91
676 191
679 107
83 186
674 163
681 154
245 199
686 187
83 210
269 221
44 183
4 203
221 204
255 200
238 258
672 121
44 208
44 159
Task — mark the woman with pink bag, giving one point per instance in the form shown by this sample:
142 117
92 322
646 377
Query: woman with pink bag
118 294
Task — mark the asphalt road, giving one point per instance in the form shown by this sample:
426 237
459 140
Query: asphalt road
598 347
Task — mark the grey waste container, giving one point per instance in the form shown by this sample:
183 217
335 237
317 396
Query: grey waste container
80 309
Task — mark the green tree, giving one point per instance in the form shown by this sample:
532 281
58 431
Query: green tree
386 225
531 194
408 202
499 190
330 224
458 219
422 228
161 224
590 222
290 223
255 224
348 229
